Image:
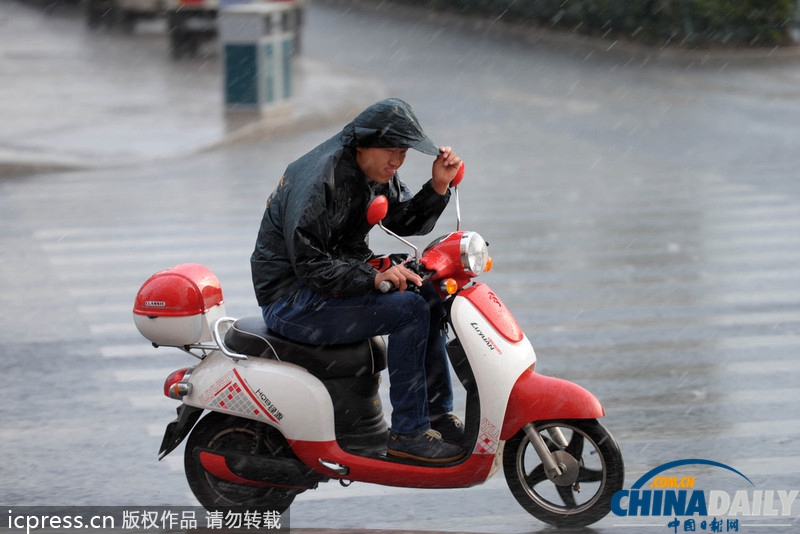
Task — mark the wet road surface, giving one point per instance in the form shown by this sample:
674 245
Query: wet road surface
642 214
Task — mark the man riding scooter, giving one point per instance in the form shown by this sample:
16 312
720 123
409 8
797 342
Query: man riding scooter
314 282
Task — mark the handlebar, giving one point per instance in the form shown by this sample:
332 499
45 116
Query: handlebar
386 286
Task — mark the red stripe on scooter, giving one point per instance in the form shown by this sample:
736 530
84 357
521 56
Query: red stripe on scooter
217 466
253 396
472 470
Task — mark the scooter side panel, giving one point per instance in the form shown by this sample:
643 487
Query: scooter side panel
537 397
280 394
496 362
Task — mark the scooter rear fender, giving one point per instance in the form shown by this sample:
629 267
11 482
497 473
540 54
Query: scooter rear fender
178 429
537 397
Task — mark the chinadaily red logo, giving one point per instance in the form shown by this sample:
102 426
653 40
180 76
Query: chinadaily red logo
675 494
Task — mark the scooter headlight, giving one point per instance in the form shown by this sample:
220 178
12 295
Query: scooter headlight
474 253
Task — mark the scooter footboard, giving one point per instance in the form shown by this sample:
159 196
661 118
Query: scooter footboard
537 397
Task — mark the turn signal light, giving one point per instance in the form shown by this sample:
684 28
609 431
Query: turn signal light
449 286
488 265
175 386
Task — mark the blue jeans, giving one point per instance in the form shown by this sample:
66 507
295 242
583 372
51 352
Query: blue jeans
419 378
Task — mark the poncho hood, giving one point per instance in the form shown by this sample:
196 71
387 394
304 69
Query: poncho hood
390 123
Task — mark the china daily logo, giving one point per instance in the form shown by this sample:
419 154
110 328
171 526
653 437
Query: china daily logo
675 497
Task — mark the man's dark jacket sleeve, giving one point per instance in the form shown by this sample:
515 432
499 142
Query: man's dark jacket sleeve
314 229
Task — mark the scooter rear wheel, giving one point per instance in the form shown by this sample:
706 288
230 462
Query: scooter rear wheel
221 432
597 472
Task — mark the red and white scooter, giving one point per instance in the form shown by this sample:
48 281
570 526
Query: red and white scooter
285 416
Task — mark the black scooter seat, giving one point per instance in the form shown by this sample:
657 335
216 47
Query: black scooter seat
252 337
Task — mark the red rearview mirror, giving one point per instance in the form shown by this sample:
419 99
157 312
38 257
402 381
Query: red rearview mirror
459 176
377 209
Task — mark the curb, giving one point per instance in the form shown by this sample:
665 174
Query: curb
326 97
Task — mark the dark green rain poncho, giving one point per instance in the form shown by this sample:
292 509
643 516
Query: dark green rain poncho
315 228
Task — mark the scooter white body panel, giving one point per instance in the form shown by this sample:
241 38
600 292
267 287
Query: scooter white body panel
496 362
280 394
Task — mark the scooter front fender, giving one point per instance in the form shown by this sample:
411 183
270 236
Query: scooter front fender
537 397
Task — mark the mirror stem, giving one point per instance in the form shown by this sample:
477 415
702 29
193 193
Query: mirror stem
416 250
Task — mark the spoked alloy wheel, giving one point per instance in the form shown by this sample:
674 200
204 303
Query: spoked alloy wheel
593 468
220 432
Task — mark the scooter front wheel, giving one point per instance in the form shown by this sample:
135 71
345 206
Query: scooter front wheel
591 460
226 433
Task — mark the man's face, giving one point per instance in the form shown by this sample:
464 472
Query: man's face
380 164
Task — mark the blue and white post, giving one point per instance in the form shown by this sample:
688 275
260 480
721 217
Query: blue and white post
257 46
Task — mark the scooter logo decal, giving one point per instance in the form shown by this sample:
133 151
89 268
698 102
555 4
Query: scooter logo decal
486 339
231 393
